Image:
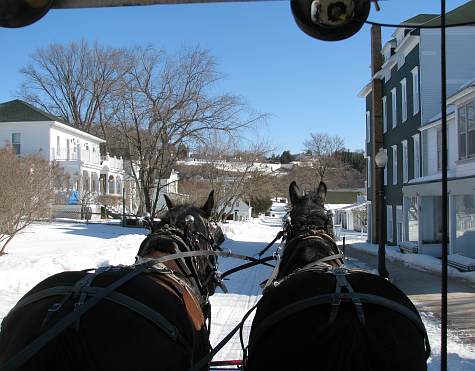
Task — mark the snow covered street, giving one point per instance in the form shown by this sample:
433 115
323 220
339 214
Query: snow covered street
45 249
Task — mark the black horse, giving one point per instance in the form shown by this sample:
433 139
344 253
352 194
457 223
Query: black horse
154 319
318 315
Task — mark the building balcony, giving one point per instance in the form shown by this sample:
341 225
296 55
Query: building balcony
112 162
75 154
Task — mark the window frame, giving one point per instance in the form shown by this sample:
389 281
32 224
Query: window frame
467 132
404 100
439 148
385 115
16 144
395 165
405 162
417 150
389 227
415 90
394 107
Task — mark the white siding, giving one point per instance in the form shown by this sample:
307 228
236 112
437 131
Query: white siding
34 136
460 65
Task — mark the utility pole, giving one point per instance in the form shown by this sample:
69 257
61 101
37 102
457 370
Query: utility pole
376 131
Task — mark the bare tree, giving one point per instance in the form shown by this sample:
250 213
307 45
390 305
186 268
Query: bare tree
75 81
27 190
324 149
166 102
231 171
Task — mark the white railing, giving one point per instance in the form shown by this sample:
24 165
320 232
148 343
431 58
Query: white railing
113 162
75 154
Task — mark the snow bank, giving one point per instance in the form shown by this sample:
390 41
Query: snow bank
418 261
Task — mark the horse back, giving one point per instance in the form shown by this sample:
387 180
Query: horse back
109 336
308 339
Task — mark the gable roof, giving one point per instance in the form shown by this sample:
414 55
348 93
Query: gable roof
18 110
462 14
419 19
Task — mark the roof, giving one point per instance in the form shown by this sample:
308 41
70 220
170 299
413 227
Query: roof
21 111
18 111
466 85
419 19
462 14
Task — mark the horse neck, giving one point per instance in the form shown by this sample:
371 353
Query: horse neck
298 260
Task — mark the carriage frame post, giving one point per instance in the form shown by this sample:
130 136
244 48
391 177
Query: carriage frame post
445 204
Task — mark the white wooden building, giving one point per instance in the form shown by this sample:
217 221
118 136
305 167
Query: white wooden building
239 210
30 130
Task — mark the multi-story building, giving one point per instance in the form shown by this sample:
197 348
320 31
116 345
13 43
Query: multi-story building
422 196
30 130
409 101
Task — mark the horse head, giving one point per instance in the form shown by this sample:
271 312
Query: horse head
186 228
309 231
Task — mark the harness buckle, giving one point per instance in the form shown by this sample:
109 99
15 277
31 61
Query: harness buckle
55 307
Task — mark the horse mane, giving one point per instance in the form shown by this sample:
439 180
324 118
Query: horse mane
181 210
308 216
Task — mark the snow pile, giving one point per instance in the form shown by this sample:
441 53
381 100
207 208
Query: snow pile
418 261
46 249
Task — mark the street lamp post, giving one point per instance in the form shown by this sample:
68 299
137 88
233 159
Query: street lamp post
381 159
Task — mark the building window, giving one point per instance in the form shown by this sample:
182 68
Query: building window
368 126
404 100
417 156
401 59
412 219
58 142
465 224
389 223
405 167
394 164
385 175
385 116
439 148
16 143
415 90
466 130
394 107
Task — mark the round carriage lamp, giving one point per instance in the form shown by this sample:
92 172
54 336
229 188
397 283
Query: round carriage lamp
330 20
381 158
20 13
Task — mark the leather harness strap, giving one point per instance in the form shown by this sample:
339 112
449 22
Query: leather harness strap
335 299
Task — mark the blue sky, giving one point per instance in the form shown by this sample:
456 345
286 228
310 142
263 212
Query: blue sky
305 85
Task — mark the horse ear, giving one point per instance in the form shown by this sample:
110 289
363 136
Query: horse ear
208 206
322 191
169 202
294 192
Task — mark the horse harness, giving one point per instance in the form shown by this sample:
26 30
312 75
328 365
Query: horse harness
186 287
344 293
